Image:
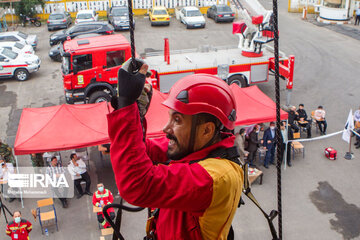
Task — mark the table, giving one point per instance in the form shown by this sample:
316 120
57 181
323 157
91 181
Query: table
255 175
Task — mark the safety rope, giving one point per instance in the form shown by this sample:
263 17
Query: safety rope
278 121
132 38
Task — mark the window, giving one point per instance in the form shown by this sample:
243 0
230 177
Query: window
8 53
83 62
19 45
23 35
84 16
193 13
115 58
56 17
2 58
160 12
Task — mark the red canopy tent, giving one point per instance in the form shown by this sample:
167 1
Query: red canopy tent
253 106
67 127
61 127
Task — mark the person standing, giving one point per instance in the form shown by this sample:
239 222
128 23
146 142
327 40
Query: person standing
319 116
357 20
269 143
357 118
293 118
240 143
6 153
101 198
37 160
5 170
253 145
56 169
18 229
285 136
77 169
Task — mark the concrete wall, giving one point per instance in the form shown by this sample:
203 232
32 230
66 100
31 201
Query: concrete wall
298 5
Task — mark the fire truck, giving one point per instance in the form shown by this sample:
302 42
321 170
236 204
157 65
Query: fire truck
90 65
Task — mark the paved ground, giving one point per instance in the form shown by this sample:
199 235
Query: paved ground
320 197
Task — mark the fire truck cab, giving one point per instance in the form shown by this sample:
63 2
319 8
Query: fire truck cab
90 67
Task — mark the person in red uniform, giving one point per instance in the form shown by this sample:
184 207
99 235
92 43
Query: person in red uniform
101 198
196 191
20 228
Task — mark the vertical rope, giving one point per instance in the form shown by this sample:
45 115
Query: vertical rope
132 39
277 93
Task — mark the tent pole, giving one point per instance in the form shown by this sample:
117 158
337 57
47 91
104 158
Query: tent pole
17 171
286 144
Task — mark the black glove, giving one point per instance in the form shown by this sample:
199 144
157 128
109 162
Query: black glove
130 84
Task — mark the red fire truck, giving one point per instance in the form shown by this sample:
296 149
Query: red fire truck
90 66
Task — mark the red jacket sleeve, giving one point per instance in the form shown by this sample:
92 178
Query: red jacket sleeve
8 231
94 201
111 198
29 226
178 186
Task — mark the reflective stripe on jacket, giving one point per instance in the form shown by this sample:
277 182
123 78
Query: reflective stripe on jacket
105 196
197 201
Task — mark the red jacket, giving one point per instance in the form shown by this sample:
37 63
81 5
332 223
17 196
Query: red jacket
19 231
103 198
196 201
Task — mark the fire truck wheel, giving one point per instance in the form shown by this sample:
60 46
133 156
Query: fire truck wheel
99 96
239 80
21 74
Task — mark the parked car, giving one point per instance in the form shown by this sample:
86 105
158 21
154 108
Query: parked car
192 17
86 16
118 16
58 20
54 52
159 16
221 13
20 37
81 28
18 47
17 65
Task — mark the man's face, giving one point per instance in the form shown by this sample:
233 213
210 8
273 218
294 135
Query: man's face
293 108
301 107
17 214
54 162
75 157
178 131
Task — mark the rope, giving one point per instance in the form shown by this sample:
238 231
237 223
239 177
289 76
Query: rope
278 121
132 38
316 138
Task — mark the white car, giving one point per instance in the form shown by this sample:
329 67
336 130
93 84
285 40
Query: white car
18 47
86 16
17 65
192 17
20 37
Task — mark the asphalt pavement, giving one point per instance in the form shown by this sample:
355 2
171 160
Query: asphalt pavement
320 198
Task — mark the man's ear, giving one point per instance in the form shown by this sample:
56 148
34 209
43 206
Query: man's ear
207 130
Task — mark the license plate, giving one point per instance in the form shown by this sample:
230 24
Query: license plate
197 25
227 15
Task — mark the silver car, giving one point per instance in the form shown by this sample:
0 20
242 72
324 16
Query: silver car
59 20
20 37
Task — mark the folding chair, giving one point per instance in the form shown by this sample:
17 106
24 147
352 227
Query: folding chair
46 217
84 155
313 122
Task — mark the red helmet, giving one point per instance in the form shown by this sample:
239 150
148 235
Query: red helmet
203 93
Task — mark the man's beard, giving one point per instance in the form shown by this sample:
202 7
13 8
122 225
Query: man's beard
180 154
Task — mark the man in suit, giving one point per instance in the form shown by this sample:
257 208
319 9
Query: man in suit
269 144
253 145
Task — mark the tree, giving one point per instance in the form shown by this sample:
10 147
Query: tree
27 7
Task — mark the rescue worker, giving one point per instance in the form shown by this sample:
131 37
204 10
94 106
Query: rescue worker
186 174
6 153
101 198
20 228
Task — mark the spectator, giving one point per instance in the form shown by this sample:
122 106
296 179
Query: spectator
304 118
101 198
253 145
56 169
285 136
269 143
77 169
240 143
319 116
5 169
357 20
6 153
293 118
357 118
357 143
18 229
37 160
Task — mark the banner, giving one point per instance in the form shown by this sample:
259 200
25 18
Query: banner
349 126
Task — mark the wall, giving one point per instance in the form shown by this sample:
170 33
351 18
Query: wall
298 5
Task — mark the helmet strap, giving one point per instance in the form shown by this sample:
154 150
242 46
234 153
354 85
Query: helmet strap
194 123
